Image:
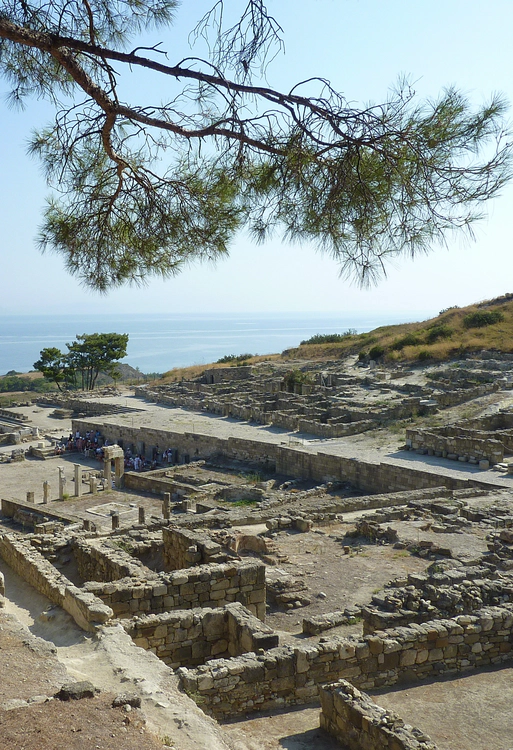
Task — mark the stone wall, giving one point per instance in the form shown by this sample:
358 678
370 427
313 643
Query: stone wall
450 442
31 515
452 396
87 610
367 476
292 675
184 548
333 430
149 481
430 595
358 723
227 374
103 561
202 586
297 462
13 416
188 444
193 636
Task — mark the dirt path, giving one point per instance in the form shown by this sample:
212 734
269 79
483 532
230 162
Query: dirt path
296 729
470 711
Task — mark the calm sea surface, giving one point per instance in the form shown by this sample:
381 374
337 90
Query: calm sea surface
159 342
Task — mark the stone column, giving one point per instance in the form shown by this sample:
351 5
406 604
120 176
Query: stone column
62 483
119 469
142 515
93 485
107 472
166 506
86 524
30 497
46 490
113 453
78 480
115 521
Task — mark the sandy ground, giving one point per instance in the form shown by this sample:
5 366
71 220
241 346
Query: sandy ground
282 730
472 712
332 579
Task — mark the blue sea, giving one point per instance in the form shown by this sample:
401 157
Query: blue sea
159 342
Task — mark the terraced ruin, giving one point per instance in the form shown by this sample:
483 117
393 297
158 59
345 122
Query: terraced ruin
340 539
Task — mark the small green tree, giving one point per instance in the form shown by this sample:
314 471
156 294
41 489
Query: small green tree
87 356
52 363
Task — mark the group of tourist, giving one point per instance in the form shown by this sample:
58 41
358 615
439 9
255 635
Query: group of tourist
91 445
141 463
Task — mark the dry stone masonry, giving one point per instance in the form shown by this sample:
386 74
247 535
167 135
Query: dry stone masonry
291 675
188 557
353 718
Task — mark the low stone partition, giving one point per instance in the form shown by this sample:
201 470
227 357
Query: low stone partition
184 548
88 611
193 636
328 620
85 406
30 514
358 723
430 595
453 396
334 430
156 481
291 675
202 586
500 543
14 416
103 561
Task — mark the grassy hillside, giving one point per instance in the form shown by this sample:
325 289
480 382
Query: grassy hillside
454 332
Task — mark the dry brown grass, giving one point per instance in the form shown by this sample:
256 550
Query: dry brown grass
498 336
460 340
195 371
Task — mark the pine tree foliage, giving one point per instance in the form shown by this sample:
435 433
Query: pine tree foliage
140 188
88 356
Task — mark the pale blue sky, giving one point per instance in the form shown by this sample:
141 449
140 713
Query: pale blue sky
362 46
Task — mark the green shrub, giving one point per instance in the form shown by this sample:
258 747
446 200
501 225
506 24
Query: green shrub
409 340
481 319
447 309
329 338
16 383
296 377
423 355
228 358
437 332
376 352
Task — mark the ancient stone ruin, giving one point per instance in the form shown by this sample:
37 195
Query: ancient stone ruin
400 571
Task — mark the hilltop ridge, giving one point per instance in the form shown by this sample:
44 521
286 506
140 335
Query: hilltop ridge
454 333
